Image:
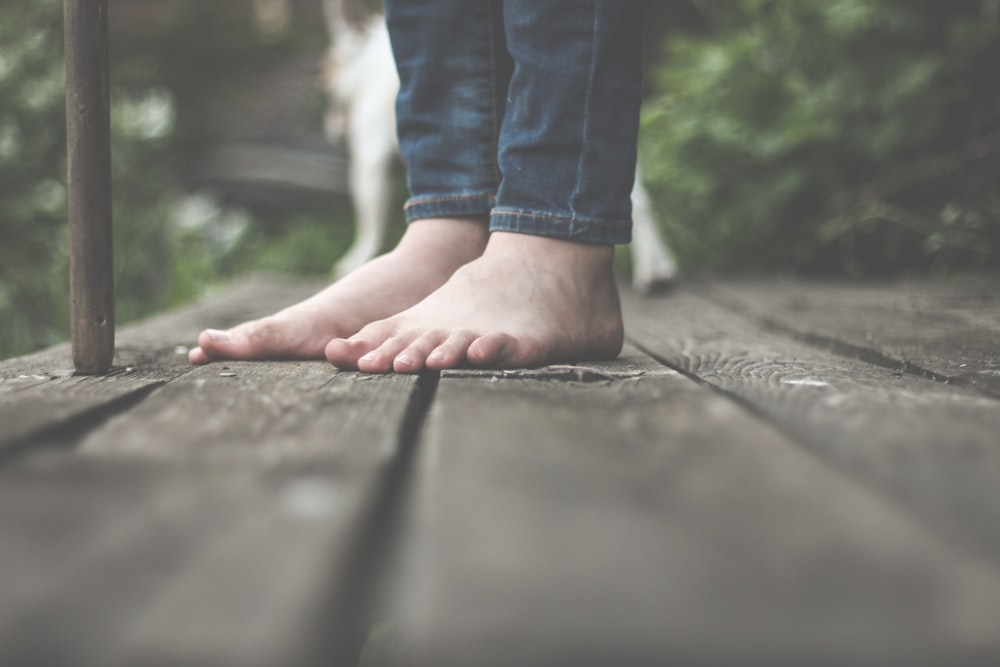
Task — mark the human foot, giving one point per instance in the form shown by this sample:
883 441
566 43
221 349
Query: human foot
427 255
528 301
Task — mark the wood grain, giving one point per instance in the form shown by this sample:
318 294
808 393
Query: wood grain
225 520
932 446
629 516
231 521
39 393
950 331
266 165
266 412
129 565
773 500
37 407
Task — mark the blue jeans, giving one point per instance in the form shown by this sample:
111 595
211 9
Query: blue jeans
522 111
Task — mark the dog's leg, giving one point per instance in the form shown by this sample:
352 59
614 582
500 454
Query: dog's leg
372 194
653 264
371 189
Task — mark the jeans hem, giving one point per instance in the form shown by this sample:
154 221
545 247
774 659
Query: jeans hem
561 227
456 206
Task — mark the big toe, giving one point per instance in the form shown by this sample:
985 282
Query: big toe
220 344
197 356
493 350
261 339
344 353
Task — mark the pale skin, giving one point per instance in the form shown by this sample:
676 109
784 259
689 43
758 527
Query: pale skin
449 295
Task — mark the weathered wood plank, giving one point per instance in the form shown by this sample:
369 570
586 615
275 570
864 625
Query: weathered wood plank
259 555
229 520
38 405
269 165
930 445
625 515
951 331
268 412
105 565
39 393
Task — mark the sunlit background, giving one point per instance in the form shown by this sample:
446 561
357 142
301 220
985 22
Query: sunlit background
843 137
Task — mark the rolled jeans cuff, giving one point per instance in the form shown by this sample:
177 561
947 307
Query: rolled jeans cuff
613 232
450 206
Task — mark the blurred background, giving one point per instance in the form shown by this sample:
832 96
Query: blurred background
852 138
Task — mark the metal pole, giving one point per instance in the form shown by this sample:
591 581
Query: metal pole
88 147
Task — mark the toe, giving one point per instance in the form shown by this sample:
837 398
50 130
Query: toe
344 353
266 338
218 344
493 349
452 352
380 360
198 357
414 358
250 340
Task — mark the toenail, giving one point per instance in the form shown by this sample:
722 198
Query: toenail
368 357
404 360
219 336
436 356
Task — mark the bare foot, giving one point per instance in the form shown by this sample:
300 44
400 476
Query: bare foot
528 301
427 255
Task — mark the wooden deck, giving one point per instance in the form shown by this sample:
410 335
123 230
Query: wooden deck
772 473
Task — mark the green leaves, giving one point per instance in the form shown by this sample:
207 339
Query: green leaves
789 117
169 245
33 242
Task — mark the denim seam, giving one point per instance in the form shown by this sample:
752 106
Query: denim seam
559 218
438 200
578 189
493 90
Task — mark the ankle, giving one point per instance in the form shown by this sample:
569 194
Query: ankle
567 254
456 237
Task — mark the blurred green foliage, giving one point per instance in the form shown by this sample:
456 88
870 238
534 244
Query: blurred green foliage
169 245
858 136
33 253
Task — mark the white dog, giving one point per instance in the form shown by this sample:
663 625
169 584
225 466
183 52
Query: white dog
360 79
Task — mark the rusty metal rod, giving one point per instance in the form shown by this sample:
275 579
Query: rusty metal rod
88 147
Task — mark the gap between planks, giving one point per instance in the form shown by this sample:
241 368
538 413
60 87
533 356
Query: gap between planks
929 446
42 402
950 334
235 516
230 519
643 519
175 625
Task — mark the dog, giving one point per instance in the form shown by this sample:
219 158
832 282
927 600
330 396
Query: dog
360 81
